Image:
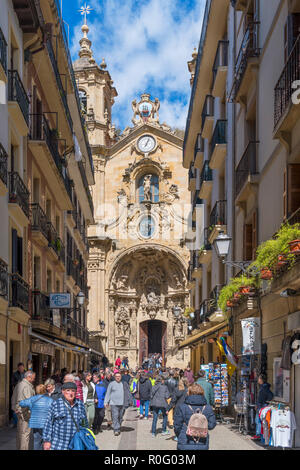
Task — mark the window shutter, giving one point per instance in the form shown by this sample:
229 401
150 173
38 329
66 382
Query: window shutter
254 233
14 251
20 256
293 188
293 30
285 184
247 242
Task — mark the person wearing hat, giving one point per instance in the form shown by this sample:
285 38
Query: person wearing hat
64 416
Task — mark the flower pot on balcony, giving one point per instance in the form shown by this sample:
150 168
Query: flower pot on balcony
230 303
244 290
266 274
294 246
237 296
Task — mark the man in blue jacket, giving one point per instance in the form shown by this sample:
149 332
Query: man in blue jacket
100 409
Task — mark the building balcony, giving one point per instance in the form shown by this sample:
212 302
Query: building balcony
195 322
218 220
3 171
197 205
19 293
18 103
247 62
57 249
206 181
86 188
42 317
205 253
191 283
246 176
39 225
18 198
71 270
3 284
218 145
27 14
3 57
208 117
44 145
204 311
220 70
199 152
213 302
287 113
192 178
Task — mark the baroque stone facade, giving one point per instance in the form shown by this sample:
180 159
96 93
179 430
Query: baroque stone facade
137 265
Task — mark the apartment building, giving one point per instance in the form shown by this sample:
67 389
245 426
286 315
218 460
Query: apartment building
46 205
248 136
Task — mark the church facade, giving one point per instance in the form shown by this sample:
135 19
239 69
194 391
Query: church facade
137 270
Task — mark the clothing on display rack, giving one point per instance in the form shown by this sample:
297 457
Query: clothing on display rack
278 425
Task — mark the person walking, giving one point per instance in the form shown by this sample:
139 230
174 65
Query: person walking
118 362
172 384
159 397
108 379
194 401
38 405
53 389
126 377
189 374
89 397
207 387
64 416
23 391
99 408
178 398
119 398
144 389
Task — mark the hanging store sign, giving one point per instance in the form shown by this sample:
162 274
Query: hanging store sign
61 300
56 317
42 348
251 336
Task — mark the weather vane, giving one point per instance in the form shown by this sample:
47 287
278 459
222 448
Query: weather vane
86 10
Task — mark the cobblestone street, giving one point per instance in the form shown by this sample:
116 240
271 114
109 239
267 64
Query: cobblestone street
136 435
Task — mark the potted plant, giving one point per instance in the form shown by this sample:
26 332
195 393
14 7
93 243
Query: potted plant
188 312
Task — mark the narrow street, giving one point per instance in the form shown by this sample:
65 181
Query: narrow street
136 435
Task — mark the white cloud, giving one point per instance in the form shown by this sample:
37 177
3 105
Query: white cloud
146 46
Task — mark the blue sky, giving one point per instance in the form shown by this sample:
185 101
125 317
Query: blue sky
146 45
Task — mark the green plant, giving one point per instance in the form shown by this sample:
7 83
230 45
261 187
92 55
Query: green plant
228 291
188 311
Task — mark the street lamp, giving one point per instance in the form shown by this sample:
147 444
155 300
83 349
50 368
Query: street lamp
177 311
222 246
102 324
80 298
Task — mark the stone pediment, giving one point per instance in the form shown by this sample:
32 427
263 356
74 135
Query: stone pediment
138 131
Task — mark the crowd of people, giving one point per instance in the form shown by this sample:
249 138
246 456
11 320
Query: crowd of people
48 415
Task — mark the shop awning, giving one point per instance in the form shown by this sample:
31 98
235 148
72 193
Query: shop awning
58 345
193 339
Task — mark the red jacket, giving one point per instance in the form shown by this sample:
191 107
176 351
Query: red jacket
118 362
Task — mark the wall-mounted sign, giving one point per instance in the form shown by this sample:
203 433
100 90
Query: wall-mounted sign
251 336
62 300
42 348
56 317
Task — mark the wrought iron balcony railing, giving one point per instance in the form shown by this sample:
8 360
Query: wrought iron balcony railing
204 310
284 89
206 173
40 306
39 221
3 51
16 92
19 292
199 145
18 193
249 48
219 135
247 166
206 244
59 82
221 59
213 299
208 108
3 164
218 215
3 280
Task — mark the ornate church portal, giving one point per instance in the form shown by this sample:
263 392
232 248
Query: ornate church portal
137 264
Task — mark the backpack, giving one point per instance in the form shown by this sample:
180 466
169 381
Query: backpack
197 427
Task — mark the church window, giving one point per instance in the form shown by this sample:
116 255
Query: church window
148 188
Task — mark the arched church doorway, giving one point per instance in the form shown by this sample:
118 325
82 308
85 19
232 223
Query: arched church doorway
152 339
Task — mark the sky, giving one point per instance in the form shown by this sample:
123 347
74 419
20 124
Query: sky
146 45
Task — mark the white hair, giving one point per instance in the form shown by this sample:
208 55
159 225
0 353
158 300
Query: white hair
69 378
29 373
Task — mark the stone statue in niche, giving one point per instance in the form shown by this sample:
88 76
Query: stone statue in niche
147 187
178 328
123 322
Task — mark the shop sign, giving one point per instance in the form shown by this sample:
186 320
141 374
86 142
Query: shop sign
60 300
56 317
42 348
251 336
